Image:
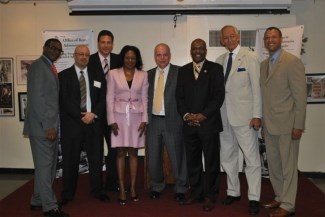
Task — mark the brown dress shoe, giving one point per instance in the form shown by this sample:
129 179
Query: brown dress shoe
272 205
208 205
279 212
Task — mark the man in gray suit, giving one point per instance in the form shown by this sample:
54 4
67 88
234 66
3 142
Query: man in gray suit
284 96
41 125
165 125
241 117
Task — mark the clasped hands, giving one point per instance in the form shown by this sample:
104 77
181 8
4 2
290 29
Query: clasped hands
194 119
88 117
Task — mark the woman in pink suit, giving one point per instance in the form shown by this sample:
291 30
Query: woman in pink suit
127 98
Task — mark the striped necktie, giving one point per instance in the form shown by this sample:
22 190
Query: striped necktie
83 92
106 68
196 70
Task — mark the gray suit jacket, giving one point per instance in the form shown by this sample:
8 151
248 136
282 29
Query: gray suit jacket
42 111
243 92
172 118
284 94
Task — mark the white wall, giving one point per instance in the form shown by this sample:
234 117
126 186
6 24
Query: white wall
20 34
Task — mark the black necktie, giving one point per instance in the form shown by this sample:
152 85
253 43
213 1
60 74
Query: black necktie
229 63
83 92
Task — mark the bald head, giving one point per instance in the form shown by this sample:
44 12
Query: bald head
162 55
81 56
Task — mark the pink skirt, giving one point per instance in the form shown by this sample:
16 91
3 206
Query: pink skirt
128 135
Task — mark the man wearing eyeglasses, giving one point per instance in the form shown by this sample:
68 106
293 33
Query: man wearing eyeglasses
41 125
82 103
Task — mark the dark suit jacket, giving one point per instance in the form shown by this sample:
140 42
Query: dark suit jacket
70 112
95 65
204 95
172 118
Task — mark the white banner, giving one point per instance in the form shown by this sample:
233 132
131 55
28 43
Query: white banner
291 41
70 39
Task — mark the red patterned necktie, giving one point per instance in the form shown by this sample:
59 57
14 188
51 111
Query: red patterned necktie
55 71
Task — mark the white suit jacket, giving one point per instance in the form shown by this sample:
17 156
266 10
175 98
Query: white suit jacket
243 92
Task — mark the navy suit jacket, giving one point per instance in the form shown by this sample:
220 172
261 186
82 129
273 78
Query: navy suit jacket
204 95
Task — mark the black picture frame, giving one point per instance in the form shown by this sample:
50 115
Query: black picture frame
7 101
22 98
315 88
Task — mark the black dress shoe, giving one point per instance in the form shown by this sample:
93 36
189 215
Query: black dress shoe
63 202
191 200
179 197
208 205
154 195
254 207
56 212
35 207
230 199
102 197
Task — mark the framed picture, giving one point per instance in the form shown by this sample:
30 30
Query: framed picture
23 63
22 97
315 88
7 103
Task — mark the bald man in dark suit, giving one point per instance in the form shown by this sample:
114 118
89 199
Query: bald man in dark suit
200 92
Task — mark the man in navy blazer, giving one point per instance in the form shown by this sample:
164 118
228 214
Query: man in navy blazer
97 63
81 129
200 93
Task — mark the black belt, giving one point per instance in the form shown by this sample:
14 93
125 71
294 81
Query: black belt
158 116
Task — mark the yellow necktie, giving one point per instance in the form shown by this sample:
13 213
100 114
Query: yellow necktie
197 70
159 93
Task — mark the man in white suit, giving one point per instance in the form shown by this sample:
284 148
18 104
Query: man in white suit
241 117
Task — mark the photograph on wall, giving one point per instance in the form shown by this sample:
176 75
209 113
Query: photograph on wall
22 97
315 88
23 63
6 87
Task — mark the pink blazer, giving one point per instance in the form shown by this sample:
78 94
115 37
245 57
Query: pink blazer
122 99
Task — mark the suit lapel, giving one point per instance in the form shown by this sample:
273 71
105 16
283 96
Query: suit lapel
169 80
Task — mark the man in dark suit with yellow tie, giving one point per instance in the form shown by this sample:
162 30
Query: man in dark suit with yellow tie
165 126
284 96
200 93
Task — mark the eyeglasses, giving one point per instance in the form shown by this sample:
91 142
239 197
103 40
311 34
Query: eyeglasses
83 54
57 49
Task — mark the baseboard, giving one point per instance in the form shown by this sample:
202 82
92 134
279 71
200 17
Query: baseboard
314 175
16 171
